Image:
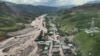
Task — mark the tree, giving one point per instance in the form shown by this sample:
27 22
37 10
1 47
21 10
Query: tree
40 37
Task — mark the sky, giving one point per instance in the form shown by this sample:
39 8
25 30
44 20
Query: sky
50 2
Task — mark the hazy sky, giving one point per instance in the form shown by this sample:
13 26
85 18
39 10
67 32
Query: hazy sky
51 2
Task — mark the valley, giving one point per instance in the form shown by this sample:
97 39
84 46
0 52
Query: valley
15 17
24 42
38 30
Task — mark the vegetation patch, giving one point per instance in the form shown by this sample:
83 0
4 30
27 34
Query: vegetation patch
87 43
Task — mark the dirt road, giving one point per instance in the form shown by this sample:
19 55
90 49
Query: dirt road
54 38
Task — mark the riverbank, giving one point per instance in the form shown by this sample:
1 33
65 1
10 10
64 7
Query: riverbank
4 37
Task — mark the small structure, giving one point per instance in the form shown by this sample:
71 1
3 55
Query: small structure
71 45
46 49
44 42
65 47
56 53
41 42
92 29
55 49
56 45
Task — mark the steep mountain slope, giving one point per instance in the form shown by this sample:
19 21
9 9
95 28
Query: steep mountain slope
6 9
30 10
7 19
5 13
80 17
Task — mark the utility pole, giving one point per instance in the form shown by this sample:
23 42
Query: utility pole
92 26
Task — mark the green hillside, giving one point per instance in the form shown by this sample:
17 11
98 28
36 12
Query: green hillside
8 23
9 19
81 19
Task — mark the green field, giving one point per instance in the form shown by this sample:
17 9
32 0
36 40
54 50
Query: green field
82 20
8 23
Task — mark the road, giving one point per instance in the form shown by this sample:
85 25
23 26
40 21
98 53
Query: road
54 38
24 45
